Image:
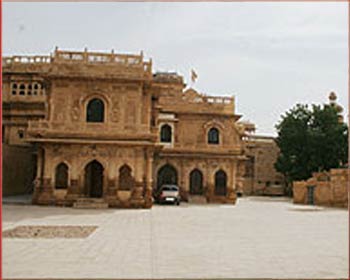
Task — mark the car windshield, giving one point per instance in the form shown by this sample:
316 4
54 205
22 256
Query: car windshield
170 188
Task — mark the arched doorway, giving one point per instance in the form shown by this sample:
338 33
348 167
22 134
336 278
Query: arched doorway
220 183
166 175
196 182
94 179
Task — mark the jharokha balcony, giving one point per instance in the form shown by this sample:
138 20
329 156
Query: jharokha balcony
80 64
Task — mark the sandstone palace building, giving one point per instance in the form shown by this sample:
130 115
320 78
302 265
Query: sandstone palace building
104 127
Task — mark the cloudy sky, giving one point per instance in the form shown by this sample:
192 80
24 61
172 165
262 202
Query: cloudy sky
269 55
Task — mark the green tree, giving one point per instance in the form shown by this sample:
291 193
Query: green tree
310 140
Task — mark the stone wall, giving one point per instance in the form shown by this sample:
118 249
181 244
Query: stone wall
261 176
339 182
330 189
18 168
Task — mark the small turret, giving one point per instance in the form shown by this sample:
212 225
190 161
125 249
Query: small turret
333 102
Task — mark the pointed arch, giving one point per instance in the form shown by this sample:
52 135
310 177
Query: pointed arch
220 183
213 136
165 133
167 174
94 179
61 176
196 182
126 180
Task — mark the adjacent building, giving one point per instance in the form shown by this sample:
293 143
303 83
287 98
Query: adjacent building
261 177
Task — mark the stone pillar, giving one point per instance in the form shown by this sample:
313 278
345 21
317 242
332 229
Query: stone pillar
149 179
210 183
111 188
46 195
231 189
136 199
240 175
183 191
112 195
38 179
73 191
137 192
44 191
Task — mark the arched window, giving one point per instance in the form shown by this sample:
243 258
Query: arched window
213 136
20 133
126 181
220 183
95 111
29 89
165 133
14 89
22 88
35 89
61 176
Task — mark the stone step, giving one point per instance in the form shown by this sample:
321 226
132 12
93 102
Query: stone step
90 203
90 206
197 199
90 199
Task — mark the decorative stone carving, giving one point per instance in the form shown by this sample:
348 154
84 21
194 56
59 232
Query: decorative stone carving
115 112
85 151
75 110
131 115
124 195
60 102
57 150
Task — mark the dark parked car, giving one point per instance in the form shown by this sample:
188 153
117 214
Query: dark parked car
168 194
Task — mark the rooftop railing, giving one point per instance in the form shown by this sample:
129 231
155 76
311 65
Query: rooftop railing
202 98
218 100
84 57
26 60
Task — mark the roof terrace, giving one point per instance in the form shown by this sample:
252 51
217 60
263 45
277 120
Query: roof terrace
134 63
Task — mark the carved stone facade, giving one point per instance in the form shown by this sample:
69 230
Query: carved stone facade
104 126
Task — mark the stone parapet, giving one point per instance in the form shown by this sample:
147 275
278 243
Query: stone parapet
82 64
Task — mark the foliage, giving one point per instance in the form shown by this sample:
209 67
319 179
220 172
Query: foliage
310 140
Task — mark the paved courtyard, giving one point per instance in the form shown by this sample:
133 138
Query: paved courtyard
256 238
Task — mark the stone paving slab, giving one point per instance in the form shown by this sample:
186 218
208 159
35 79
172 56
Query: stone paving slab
256 238
49 232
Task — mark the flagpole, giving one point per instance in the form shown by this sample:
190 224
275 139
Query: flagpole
194 76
